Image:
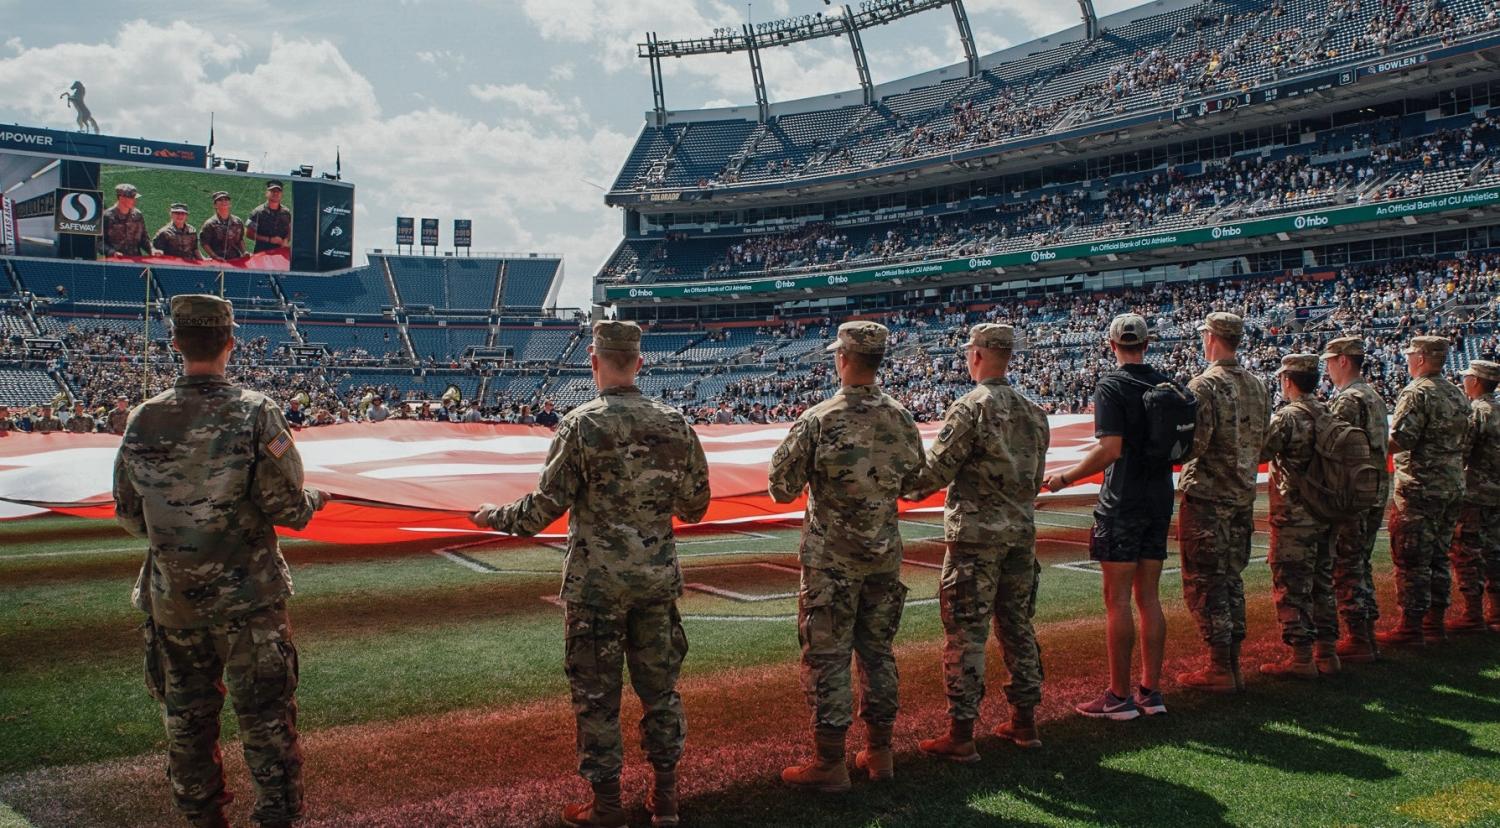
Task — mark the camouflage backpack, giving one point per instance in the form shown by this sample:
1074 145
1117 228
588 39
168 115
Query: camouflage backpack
1341 483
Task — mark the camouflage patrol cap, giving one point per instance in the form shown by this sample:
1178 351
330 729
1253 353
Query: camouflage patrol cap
1301 363
1220 323
992 335
127 190
221 195
1129 329
1344 346
201 310
863 337
616 336
1430 346
1483 369
179 207
273 184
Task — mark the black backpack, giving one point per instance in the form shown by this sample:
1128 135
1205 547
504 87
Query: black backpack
1171 420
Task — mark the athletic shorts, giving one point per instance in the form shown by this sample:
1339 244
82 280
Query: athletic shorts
1129 538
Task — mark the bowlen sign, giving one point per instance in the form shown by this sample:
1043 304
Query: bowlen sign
1290 223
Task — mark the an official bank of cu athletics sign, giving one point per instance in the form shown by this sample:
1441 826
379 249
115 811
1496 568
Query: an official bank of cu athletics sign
1288 223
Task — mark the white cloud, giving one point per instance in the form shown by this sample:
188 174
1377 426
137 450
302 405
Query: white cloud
562 71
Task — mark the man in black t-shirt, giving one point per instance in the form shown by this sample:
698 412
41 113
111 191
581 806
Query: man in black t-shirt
1131 520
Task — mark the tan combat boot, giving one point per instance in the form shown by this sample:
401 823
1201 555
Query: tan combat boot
661 801
1021 729
1408 632
1435 624
213 820
877 759
957 746
1358 644
825 774
1492 613
605 811
1471 620
1217 676
1326 656
1299 664
1234 667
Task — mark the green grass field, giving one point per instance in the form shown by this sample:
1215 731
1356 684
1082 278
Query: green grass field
432 694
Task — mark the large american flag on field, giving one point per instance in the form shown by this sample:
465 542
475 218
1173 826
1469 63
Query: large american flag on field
394 481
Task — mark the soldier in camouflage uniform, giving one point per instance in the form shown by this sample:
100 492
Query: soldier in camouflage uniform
206 471
223 235
1429 432
7 422
46 423
118 416
1301 543
124 226
1476 551
856 452
270 224
624 465
1218 483
1360 405
991 454
79 422
177 237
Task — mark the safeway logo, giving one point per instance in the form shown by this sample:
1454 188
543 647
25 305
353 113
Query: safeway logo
79 212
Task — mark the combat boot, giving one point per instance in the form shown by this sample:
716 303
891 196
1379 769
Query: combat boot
1492 614
1326 656
213 820
825 774
1217 676
1471 620
877 758
1358 644
1408 632
1234 667
957 746
1435 624
1021 728
661 800
605 811
1299 664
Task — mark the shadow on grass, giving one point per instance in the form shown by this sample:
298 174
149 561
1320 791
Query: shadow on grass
1354 726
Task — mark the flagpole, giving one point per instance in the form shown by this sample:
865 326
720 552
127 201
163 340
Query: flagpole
146 345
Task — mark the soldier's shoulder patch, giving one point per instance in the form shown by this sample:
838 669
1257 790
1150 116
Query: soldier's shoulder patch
279 445
946 432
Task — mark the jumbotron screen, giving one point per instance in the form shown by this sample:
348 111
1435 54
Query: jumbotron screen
79 209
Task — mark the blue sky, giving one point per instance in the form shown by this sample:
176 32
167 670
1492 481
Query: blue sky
504 111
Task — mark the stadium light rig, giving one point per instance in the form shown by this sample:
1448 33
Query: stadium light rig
839 21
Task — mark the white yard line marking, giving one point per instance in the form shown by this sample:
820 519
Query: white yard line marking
73 552
466 562
744 597
1093 568
919 602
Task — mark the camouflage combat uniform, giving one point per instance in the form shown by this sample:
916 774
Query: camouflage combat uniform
46 425
1361 406
116 420
223 238
1430 427
205 472
79 424
267 222
124 233
1301 543
993 452
856 452
182 243
1476 550
1218 495
8 424
624 465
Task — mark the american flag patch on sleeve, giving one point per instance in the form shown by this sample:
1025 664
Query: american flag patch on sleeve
279 444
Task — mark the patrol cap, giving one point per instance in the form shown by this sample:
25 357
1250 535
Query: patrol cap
1431 346
617 336
1129 329
273 184
993 335
127 190
201 310
1220 323
1344 346
221 194
1483 369
179 207
862 337
1302 363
